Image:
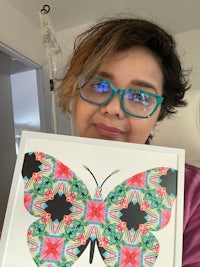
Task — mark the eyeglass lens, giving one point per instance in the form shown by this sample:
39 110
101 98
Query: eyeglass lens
135 102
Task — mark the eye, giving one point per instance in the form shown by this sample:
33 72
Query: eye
101 88
140 98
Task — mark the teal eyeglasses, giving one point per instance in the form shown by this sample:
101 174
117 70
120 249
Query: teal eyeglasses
134 102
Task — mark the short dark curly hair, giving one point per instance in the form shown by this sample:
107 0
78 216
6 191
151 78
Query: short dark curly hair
115 35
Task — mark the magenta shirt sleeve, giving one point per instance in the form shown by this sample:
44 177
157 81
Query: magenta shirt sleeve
191 230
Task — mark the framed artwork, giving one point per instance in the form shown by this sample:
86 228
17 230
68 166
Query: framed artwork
86 202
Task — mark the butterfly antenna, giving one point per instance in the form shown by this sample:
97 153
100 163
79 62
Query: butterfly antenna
109 176
91 174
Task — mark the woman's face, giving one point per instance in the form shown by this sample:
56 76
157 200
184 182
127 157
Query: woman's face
137 69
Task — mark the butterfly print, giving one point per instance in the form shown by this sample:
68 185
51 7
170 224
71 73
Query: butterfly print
68 218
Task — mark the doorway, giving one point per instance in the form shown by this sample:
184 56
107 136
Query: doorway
14 70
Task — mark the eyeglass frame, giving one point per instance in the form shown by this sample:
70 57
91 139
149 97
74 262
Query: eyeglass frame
122 92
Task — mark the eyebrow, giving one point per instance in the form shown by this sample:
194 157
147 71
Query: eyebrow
144 84
134 82
103 74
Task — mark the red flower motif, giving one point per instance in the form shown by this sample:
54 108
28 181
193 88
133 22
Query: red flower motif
49 194
104 242
29 233
145 205
123 203
163 170
67 220
71 197
39 156
121 226
81 239
156 248
36 177
46 217
161 191
143 229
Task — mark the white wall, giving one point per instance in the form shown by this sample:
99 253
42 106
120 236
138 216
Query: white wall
18 33
66 40
189 45
25 100
183 130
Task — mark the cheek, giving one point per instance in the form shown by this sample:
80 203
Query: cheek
140 129
84 113
141 126
80 113
83 109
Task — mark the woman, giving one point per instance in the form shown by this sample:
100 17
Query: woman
123 77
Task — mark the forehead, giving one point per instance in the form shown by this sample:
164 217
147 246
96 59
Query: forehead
137 64
136 52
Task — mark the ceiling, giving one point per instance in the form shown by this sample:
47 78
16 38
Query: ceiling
177 15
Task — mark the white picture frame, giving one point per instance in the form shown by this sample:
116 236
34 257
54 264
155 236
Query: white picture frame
102 157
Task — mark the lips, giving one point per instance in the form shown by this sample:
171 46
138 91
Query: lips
107 131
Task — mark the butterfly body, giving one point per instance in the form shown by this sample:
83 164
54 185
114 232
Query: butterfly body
69 218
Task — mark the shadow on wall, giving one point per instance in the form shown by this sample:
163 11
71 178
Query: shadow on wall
183 129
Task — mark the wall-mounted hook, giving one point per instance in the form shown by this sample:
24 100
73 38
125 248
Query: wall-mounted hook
45 9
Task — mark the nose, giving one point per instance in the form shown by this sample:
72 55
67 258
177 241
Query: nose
113 108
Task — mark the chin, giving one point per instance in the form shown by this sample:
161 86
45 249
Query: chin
102 137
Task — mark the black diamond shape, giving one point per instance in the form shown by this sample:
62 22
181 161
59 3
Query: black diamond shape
133 216
30 165
58 207
169 181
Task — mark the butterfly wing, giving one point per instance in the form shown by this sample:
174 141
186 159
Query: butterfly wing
136 207
58 236
121 225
